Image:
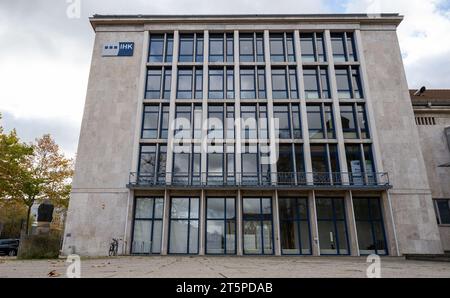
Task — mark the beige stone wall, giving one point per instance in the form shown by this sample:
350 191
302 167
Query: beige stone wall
402 158
98 204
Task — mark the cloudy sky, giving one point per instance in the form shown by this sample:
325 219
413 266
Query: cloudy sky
45 55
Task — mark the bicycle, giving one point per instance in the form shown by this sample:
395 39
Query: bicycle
113 247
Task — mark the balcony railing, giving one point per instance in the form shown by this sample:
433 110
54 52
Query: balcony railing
278 180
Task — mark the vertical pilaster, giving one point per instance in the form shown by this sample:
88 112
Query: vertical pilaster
202 225
173 95
303 113
237 108
165 223
272 138
351 224
239 235
389 224
276 224
336 109
313 223
204 148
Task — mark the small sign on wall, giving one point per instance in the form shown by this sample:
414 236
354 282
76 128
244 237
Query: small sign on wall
118 49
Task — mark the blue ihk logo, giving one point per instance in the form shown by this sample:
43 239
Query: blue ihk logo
118 49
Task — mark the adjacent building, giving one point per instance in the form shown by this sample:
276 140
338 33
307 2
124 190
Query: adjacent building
432 111
250 135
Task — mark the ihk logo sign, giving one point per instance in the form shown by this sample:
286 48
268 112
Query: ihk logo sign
118 49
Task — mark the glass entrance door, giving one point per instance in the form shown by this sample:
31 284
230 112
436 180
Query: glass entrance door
331 220
183 229
257 226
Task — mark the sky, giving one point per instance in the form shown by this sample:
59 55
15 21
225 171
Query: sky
46 48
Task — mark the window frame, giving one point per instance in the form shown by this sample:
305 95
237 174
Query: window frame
225 219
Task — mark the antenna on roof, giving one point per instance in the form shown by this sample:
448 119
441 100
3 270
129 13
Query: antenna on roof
420 91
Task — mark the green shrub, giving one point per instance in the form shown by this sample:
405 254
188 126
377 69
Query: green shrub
40 246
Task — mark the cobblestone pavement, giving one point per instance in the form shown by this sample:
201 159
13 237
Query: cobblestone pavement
220 267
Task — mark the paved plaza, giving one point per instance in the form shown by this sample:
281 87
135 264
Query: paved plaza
225 267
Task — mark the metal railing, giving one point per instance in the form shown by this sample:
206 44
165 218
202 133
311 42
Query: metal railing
266 179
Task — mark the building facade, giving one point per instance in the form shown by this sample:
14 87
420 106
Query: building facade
185 114
432 111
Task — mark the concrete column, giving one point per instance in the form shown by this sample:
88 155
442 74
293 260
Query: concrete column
276 224
165 227
239 235
313 223
173 95
336 109
202 226
204 148
351 224
237 108
303 113
272 138
389 224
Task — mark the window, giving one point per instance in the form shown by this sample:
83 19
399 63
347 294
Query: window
221 164
316 83
184 226
186 165
218 125
252 81
229 122
325 164
354 123
152 164
331 221
284 83
442 208
257 226
343 83
344 49
369 226
281 113
161 48
219 44
282 47
191 48
147 227
251 47
188 122
320 121
221 226
158 86
294 226
312 45
360 164
155 122
254 123
221 84
190 83
255 164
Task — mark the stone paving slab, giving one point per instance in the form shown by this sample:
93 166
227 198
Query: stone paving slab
225 267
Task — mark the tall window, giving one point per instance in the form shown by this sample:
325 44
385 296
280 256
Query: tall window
360 164
253 84
331 221
349 83
284 83
316 83
190 83
147 227
221 226
152 164
343 45
290 164
155 122
282 47
191 48
294 226
221 122
255 166
254 122
325 164
221 164
221 47
313 48
354 121
221 83
257 226
158 84
184 226
251 47
288 117
186 165
369 226
320 121
188 122
161 48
